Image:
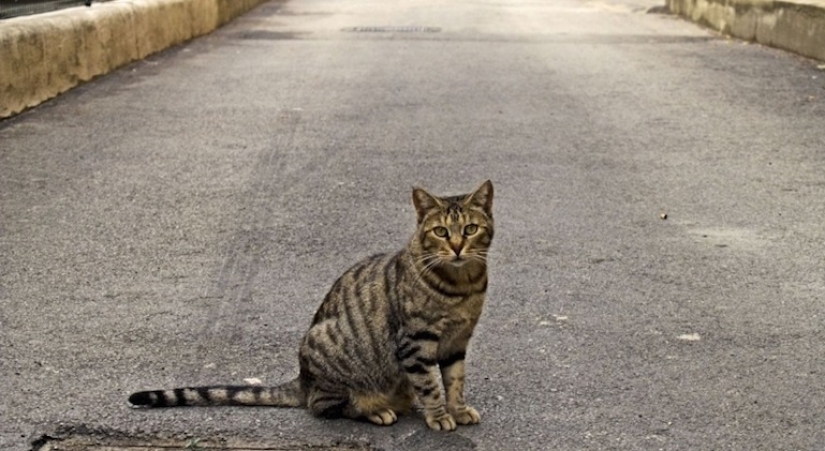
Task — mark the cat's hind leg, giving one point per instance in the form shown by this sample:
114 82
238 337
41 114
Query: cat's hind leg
377 408
374 408
328 404
383 409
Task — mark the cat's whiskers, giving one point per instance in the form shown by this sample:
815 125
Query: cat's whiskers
423 258
477 255
429 262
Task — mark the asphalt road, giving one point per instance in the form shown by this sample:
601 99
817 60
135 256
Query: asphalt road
178 221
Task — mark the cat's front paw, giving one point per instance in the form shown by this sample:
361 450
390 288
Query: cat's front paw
442 422
466 415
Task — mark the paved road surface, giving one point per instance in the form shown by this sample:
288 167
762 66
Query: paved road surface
178 221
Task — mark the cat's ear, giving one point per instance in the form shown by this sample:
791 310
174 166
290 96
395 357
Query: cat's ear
483 197
424 202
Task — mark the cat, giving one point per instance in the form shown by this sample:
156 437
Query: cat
387 327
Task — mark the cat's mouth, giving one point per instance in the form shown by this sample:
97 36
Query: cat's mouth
457 261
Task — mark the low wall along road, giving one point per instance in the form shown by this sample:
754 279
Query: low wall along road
794 25
44 55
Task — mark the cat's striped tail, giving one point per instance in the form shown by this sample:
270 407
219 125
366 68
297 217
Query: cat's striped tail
285 395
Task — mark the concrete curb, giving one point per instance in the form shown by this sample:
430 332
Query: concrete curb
794 25
44 55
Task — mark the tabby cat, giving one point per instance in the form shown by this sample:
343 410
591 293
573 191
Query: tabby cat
387 327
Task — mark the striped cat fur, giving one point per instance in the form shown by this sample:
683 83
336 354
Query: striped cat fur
393 329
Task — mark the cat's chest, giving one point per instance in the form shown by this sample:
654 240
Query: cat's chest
455 321
447 318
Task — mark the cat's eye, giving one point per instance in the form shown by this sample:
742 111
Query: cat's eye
470 229
441 232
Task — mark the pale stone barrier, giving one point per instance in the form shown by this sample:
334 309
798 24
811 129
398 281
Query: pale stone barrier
44 55
796 25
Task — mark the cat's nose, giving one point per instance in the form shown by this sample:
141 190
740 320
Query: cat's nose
456 249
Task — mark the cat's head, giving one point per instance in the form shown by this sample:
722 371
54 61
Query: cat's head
454 231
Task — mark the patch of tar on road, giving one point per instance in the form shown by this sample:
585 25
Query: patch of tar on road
266 35
392 29
83 439
425 439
